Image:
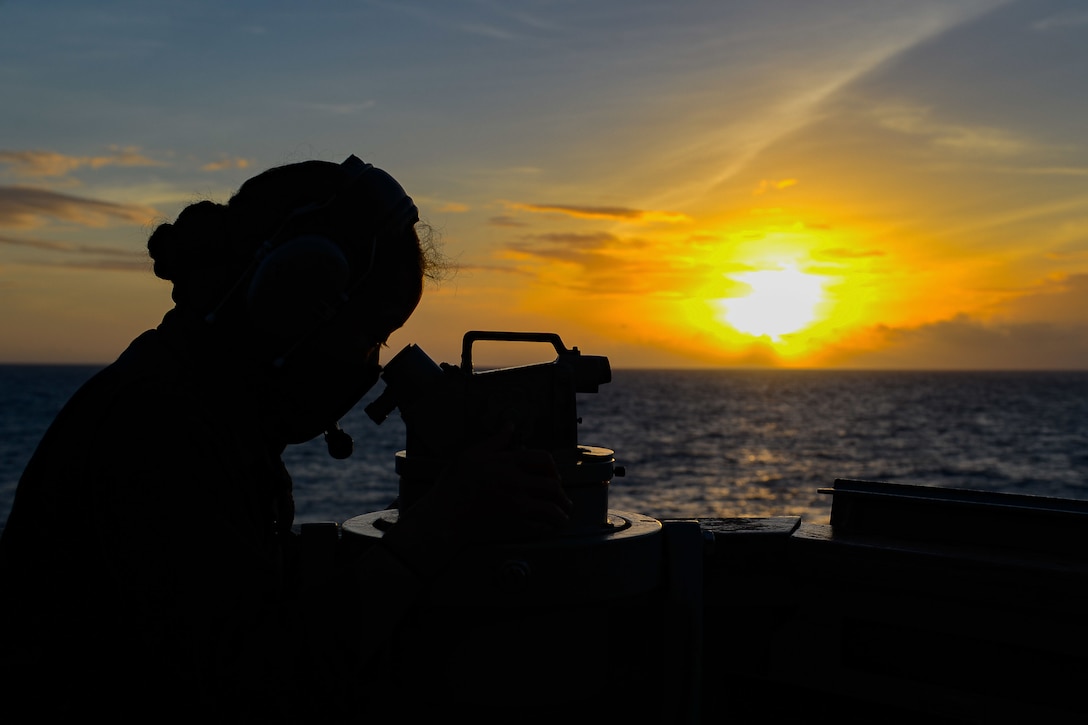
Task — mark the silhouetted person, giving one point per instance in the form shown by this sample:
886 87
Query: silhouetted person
146 560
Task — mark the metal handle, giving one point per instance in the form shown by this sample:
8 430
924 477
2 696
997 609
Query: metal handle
492 335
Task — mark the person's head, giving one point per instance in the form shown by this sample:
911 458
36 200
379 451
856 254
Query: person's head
300 276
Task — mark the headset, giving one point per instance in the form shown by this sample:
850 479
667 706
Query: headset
302 275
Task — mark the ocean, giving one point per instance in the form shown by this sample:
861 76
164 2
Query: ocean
711 443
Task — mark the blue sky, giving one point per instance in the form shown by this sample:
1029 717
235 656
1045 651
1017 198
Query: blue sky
612 171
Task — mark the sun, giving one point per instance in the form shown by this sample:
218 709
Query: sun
781 301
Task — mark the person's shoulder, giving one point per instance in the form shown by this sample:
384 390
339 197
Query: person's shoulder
142 374
141 395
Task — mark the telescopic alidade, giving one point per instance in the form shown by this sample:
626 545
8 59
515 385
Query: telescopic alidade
448 410
519 605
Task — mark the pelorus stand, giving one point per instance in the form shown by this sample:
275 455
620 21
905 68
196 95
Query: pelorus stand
593 620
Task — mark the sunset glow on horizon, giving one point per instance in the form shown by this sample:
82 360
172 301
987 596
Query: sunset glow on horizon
786 184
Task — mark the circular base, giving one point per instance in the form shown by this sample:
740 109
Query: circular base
621 557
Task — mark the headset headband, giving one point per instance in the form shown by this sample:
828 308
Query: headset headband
316 232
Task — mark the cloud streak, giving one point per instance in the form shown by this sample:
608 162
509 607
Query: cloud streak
36 163
77 256
54 246
594 263
226 165
618 213
968 344
918 121
26 207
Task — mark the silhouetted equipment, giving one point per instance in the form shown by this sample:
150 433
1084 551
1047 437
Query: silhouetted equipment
448 410
914 604
529 609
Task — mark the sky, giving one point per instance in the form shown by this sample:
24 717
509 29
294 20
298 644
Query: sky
851 184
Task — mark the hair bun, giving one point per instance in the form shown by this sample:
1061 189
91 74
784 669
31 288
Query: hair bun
194 241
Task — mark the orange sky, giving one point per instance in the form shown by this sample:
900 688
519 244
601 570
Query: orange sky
781 185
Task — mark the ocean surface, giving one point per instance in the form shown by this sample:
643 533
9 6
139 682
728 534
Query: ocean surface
711 442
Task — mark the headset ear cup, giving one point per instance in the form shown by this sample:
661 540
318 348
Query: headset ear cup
299 284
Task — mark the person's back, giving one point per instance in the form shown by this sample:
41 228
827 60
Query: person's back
153 546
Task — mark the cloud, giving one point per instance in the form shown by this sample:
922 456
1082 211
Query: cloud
766 185
569 246
589 251
55 246
966 343
488 31
226 165
1044 329
1063 299
50 163
1047 170
602 263
23 207
620 213
492 268
505 221
453 207
341 109
918 121
1061 21
79 255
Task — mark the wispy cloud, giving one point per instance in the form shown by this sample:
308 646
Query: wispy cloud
918 121
55 246
493 21
492 268
227 164
25 207
341 109
488 31
603 263
619 213
453 207
1043 170
1061 21
81 256
505 221
568 246
766 185
36 163
1007 217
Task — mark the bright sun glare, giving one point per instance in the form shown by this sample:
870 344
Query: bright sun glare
781 301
